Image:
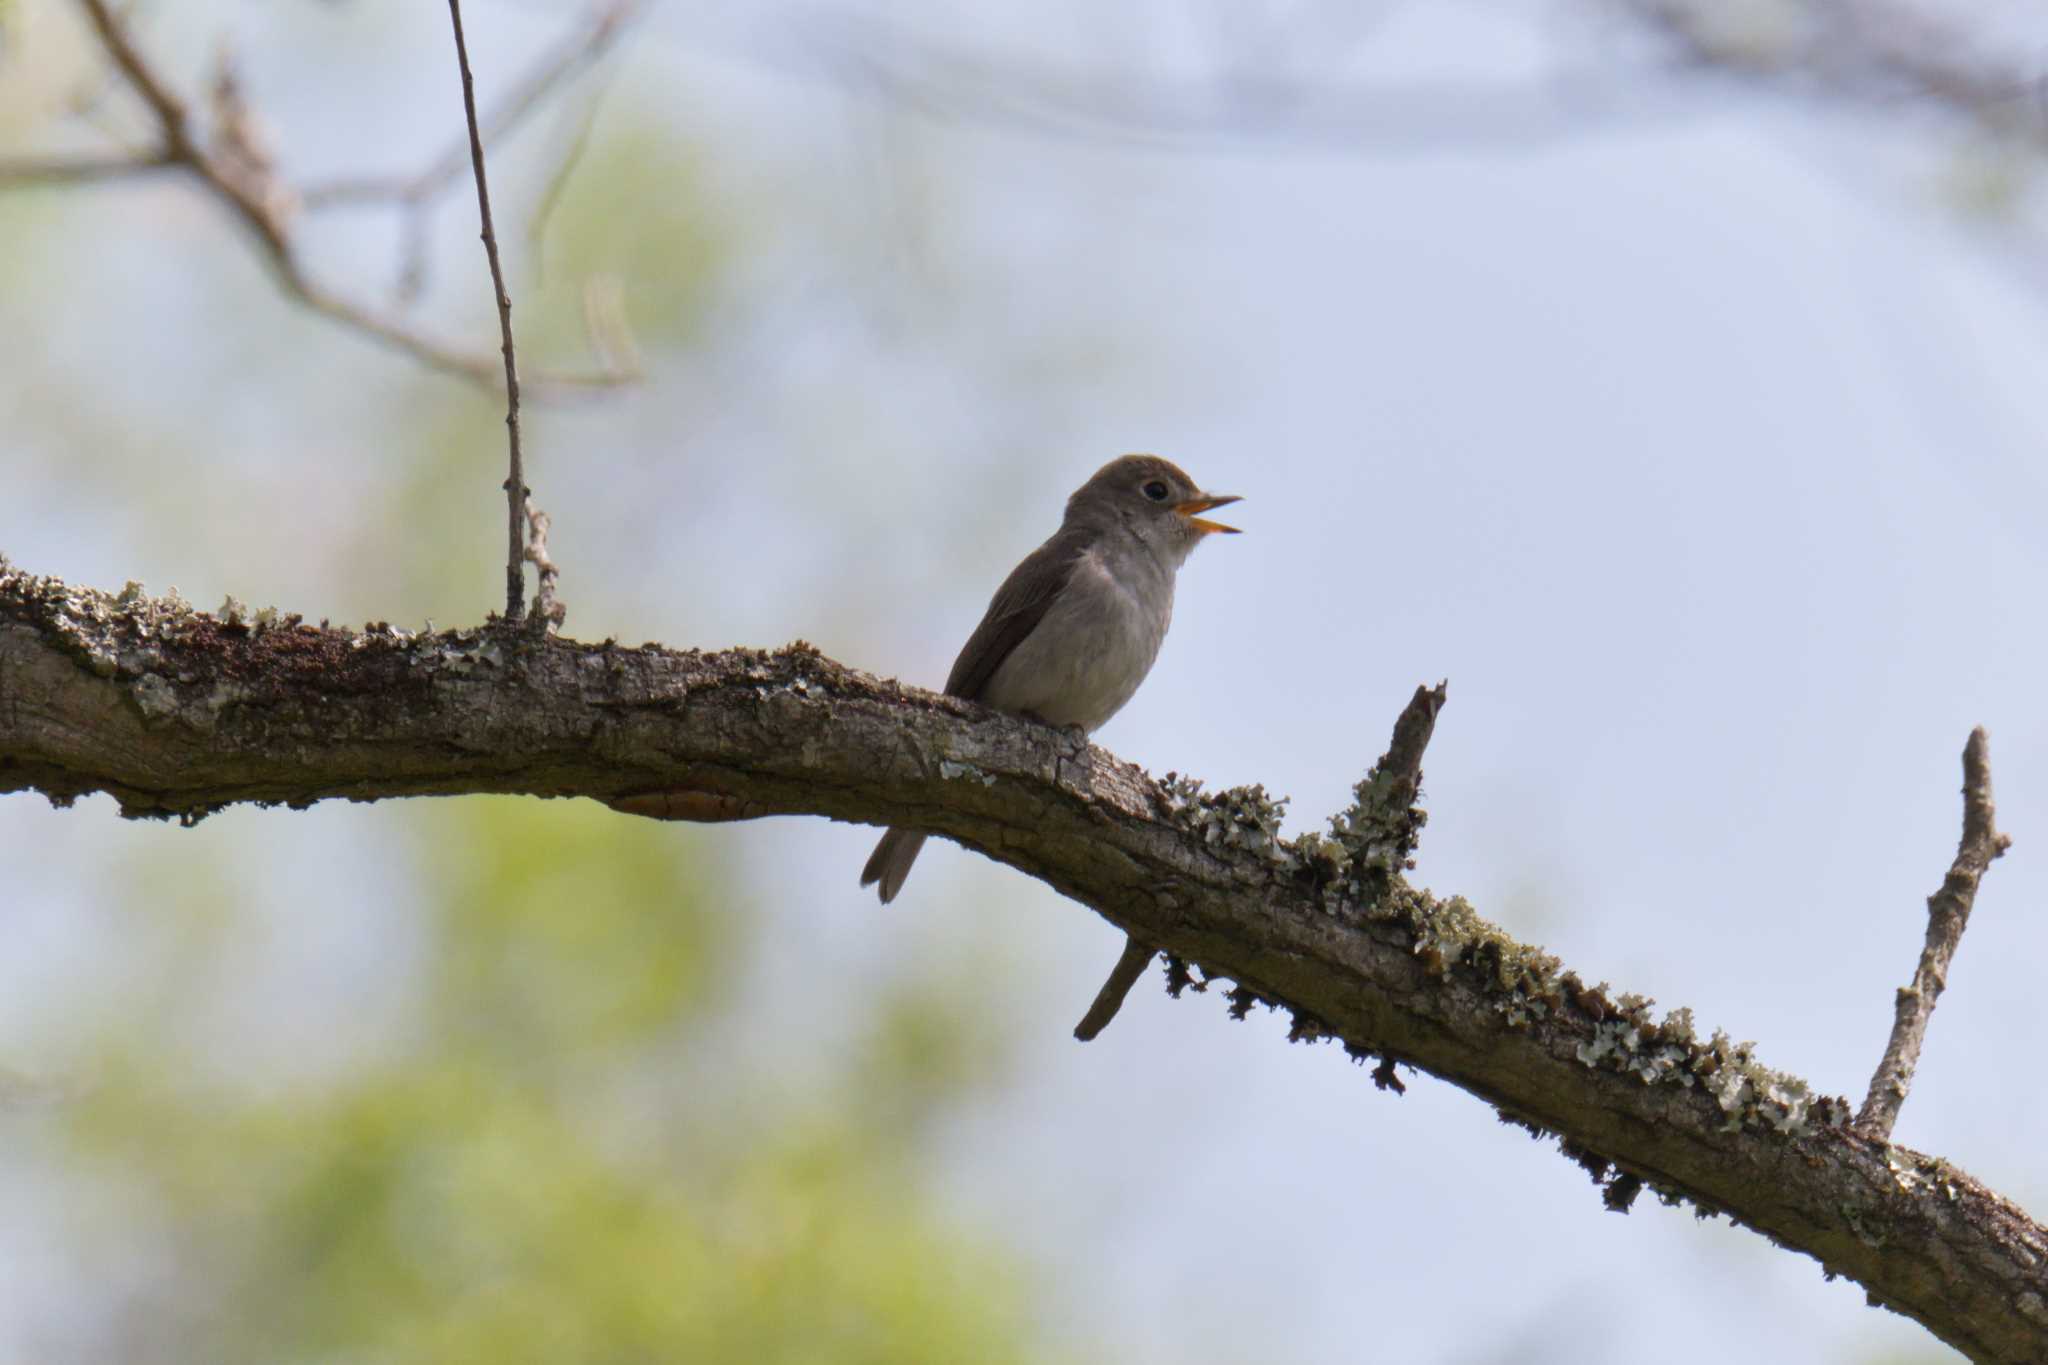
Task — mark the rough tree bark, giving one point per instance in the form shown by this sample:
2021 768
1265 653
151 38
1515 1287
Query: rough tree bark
177 713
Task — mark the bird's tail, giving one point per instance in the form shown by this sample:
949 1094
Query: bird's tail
890 863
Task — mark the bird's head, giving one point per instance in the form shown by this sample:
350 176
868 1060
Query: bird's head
1152 498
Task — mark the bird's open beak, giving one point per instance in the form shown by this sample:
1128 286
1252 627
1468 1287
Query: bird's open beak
1203 504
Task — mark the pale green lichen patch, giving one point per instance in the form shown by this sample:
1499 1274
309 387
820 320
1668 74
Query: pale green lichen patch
796 672
1526 984
92 623
156 698
1379 829
1357 864
1620 1045
1915 1174
1240 819
951 770
463 655
1753 1095
164 645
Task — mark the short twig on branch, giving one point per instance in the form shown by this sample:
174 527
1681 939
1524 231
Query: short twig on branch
1137 956
1380 829
1383 823
516 490
1401 764
548 611
1948 914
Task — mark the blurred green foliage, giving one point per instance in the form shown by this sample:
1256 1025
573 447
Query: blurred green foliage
628 209
547 1167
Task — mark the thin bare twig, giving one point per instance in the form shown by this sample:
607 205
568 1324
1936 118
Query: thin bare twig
515 479
1948 914
263 205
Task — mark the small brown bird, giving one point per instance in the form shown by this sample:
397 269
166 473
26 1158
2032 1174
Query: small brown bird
1074 628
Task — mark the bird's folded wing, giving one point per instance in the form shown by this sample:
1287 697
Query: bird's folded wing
1015 611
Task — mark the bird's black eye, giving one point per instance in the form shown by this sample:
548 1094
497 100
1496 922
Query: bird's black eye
1156 490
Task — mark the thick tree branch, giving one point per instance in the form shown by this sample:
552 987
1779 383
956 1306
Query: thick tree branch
177 713
1948 914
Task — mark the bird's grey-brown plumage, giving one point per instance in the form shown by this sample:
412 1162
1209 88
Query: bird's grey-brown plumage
1075 628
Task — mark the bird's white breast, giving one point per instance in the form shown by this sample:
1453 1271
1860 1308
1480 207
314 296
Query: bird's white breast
1094 645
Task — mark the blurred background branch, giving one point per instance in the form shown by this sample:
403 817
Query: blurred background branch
1300 74
234 162
414 196
1293 73
1306 76
1234 100
66 170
